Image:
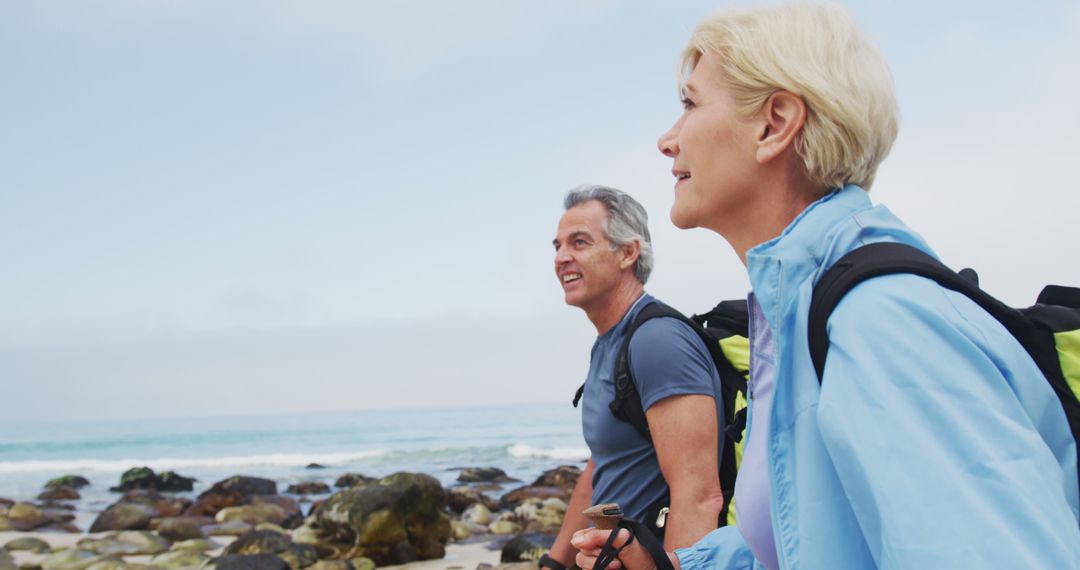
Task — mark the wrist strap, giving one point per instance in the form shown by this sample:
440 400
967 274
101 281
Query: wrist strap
549 562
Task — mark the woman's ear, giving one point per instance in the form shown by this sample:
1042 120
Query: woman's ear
782 118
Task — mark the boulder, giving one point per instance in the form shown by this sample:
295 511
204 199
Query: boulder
181 528
308 488
462 496
145 478
504 526
124 516
174 482
71 559
59 493
484 475
252 514
73 481
270 542
113 564
236 490
353 479
541 516
126 543
162 504
314 466
397 520
564 476
477 513
332 565
231 528
196 544
244 486
526 547
519 495
24 516
7 562
29 544
248 562
179 559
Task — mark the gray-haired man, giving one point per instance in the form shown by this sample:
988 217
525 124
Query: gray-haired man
603 257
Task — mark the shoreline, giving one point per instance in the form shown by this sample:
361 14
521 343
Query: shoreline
465 556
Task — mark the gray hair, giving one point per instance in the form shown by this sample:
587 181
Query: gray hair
625 223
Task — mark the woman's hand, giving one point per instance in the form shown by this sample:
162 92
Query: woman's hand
589 541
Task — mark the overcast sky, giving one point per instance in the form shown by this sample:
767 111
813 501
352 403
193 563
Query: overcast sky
247 207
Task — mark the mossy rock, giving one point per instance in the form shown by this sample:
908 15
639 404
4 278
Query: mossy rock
399 519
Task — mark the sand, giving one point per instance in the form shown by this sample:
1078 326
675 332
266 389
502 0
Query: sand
458 556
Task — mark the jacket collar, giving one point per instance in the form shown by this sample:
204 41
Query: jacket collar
808 243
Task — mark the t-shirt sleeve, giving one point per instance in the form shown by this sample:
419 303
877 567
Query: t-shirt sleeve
667 358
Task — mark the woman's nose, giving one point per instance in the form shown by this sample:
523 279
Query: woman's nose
669 142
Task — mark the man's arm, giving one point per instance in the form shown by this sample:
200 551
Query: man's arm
684 431
574 521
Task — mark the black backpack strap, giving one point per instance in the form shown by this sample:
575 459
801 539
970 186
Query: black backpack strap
878 259
627 406
627 403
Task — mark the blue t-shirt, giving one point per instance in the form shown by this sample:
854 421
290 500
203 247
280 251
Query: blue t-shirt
667 358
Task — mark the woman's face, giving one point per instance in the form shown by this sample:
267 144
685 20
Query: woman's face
713 151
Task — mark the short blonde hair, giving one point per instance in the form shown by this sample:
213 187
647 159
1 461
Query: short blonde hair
816 52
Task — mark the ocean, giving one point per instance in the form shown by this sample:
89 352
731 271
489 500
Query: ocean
523 440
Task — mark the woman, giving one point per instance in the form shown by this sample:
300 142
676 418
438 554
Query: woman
933 440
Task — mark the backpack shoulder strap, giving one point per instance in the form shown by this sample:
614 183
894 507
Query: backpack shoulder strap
878 259
627 403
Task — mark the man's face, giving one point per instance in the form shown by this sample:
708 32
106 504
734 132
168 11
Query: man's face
586 266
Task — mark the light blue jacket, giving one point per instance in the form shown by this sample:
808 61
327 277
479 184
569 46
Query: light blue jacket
934 441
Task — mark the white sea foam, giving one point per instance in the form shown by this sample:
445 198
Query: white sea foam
522 450
177 463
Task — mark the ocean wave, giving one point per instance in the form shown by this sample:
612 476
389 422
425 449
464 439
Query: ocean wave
178 463
522 450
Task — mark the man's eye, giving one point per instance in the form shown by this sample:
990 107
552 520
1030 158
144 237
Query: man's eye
580 242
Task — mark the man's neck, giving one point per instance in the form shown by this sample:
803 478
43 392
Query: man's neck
616 304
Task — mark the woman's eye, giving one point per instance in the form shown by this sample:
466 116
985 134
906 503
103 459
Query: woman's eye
686 104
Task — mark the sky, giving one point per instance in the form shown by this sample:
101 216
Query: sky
255 207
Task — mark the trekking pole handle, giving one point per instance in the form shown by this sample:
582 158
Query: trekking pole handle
605 516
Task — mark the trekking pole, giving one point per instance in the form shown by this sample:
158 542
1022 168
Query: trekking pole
605 516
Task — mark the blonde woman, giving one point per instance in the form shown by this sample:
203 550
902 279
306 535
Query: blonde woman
932 441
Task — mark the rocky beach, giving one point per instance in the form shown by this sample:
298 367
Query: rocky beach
487 519
425 490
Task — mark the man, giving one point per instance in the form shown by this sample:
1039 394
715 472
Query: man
603 257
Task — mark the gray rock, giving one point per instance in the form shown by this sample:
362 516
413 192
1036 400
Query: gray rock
564 476
197 545
252 514
519 495
126 543
353 480
484 475
179 559
123 516
73 481
28 543
231 528
259 542
24 516
308 488
248 562
397 520
59 493
182 528
461 497
332 565
244 486
526 547
71 559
